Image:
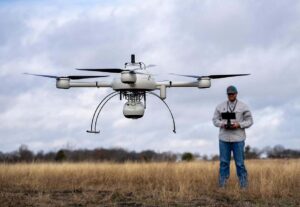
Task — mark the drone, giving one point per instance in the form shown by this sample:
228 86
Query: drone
133 85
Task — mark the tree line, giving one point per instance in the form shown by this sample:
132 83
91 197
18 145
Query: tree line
24 154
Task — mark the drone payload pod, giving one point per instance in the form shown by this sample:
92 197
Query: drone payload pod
133 85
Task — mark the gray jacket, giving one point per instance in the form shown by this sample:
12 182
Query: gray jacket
243 117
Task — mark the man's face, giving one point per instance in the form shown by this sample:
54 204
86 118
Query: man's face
232 96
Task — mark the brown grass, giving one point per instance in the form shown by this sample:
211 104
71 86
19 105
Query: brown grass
272 183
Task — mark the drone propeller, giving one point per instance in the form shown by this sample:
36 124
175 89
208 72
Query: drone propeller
147 66
211 76
151 65
107 70
112 70
73 77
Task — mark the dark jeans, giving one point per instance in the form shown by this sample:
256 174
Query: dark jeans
238 154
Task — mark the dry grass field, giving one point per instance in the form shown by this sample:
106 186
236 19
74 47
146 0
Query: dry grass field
272 183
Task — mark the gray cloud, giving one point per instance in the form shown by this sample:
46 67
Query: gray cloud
194 37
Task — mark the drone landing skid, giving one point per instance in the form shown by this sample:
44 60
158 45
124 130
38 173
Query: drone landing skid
93 132
110 96
174 125
98 110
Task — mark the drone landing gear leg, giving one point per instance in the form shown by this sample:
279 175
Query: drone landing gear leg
94 121
174 126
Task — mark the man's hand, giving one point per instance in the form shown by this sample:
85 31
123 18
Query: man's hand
236 125
233 126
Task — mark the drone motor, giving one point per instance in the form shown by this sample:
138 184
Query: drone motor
204 83
128 77
63 83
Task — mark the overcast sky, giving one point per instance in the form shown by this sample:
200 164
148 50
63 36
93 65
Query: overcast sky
195 37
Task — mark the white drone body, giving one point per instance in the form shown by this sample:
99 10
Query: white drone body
132 85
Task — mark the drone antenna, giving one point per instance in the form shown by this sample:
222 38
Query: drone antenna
132 58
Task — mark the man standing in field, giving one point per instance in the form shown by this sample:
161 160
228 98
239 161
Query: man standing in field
232 135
